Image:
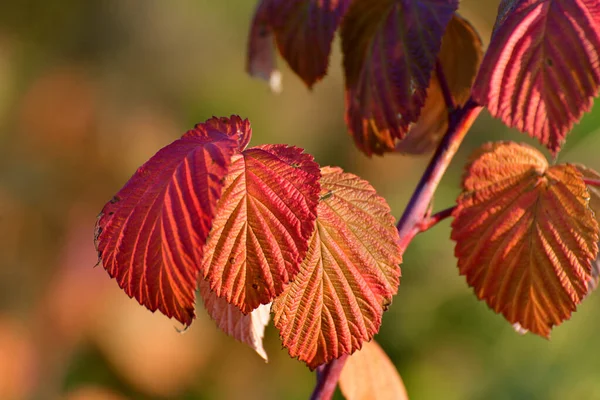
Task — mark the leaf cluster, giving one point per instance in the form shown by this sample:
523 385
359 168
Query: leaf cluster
249 227
265 229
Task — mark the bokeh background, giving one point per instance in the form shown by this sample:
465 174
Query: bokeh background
89 90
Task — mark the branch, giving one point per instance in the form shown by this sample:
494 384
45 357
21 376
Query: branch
591 182
459 123
430 221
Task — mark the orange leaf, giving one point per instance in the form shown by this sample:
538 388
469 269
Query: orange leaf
348 277
460 56
594 191
369 374
525 235
248 329
264 220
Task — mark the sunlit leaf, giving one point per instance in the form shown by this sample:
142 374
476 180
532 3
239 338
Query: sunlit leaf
150 236
390 48
460 56
248 329
234 126
264 220
348 277
594 280
525 235
369 374
542 68
594 191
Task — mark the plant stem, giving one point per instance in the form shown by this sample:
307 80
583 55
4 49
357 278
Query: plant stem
431 221
327 378
460 120
459 123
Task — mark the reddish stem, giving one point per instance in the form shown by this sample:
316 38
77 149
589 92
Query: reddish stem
432 220
592 182
459 123
327 378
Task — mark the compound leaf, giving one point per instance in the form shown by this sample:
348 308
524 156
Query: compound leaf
348 277
525 235
542 68
265 218
248 328
370 374
460 56
150 237
390 48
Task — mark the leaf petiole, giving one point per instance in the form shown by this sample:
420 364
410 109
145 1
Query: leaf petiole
592 182
430 221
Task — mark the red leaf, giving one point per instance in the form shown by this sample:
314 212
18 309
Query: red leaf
264 220
348 276
248 329
542 68
234 126
525 235
370 374
390 48
151 235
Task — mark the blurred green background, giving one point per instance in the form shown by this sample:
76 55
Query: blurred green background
89 90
